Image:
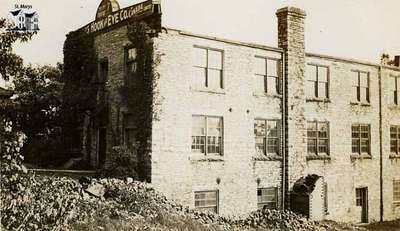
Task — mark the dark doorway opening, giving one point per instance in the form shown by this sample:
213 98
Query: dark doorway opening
102 146
362 201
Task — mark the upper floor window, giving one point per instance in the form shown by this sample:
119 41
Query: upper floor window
361 139
207 134
360 86
266 75
318 138
206 201
317 82
207 68
267 198
130 62
395 139
266 136
395 85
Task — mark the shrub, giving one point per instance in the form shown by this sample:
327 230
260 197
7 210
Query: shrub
122 162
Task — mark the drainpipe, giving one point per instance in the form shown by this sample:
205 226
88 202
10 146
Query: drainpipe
283 130
380 144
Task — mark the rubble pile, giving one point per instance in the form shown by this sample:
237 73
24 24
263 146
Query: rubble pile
54 203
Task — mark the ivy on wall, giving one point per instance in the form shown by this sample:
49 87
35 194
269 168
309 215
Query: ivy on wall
140 92
79 93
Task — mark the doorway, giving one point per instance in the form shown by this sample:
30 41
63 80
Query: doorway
102 146
362 201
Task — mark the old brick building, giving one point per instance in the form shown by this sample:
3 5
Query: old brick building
241 126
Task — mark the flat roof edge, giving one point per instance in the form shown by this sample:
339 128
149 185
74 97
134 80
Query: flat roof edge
349 60
234 42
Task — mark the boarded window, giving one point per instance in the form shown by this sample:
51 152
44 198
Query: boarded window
394 89
206 201
267 198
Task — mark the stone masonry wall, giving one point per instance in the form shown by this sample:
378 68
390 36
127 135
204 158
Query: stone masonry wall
391 163
179 173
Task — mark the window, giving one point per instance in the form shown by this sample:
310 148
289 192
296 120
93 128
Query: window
395 85
102 79
318 138
396 193
206 201
266 75
207 134
207 68
317 82
267 136
129 131
267 198
395 139
130 62
360 134
360 86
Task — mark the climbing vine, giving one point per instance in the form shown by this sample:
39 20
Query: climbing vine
139 94
79 93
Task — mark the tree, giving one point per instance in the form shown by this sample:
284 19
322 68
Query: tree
34 109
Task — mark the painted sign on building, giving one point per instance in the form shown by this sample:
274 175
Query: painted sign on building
136 11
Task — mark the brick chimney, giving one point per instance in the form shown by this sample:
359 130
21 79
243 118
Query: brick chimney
291 40
397 60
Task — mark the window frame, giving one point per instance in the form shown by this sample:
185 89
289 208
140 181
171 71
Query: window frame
317 138
206 117
396 92
266 138
222 79
396 201
124 128
216 200
264 203
127 73
397 139
316 83
360 139
358 87
266 76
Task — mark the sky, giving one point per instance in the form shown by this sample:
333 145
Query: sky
358 29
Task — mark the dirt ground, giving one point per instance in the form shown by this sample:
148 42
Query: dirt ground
385 226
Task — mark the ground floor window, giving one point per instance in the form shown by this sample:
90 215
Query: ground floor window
396 193
206 201
267 198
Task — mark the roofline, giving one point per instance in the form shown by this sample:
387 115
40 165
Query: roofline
354 61
234 42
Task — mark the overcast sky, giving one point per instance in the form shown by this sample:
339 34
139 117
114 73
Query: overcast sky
360 29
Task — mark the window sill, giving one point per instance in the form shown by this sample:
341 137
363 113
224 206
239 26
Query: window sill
318 157
264 94
394 156
394 107
208 158
269 157
362 104
356 156
318 100
208 90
